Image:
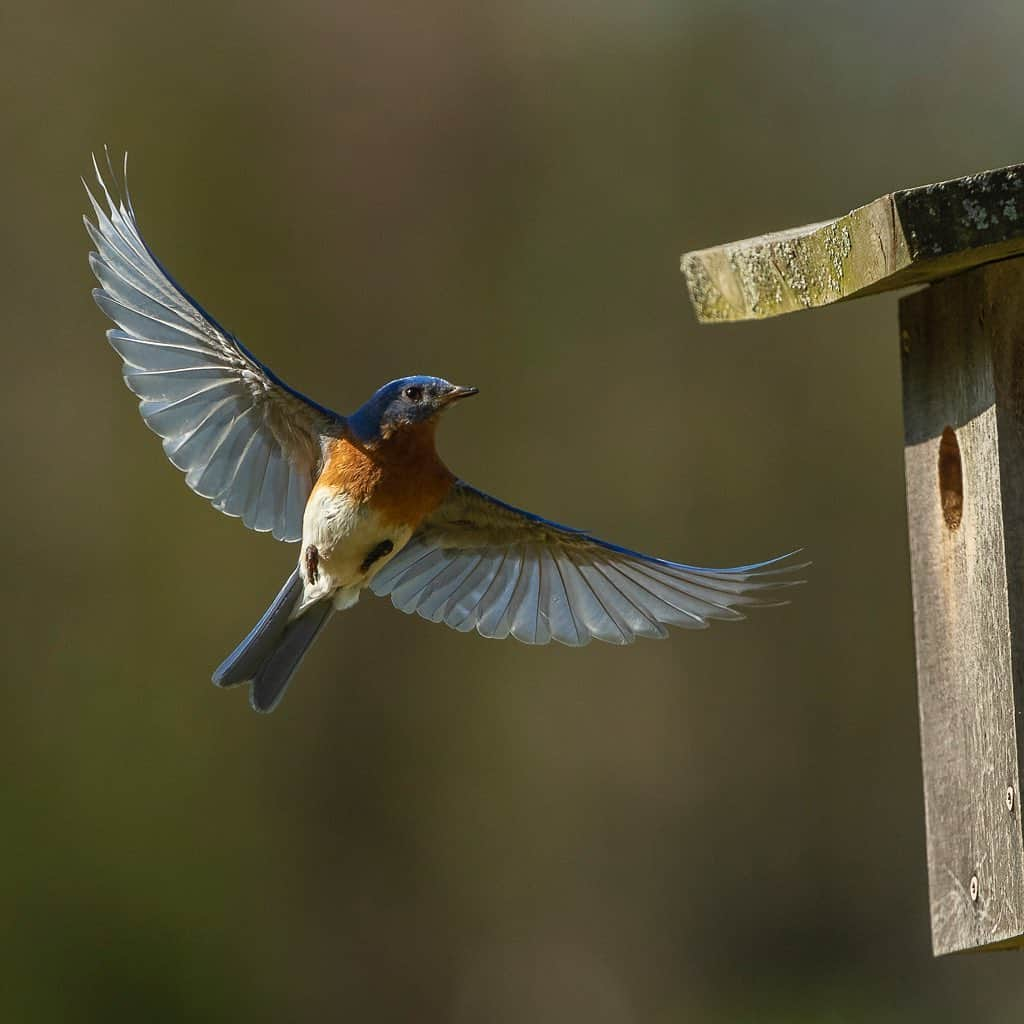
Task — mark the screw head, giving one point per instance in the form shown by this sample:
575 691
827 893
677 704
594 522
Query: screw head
1009 798
974 888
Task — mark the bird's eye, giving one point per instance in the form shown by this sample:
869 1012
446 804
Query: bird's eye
413 393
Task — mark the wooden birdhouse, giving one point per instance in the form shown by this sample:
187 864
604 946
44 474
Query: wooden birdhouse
962 344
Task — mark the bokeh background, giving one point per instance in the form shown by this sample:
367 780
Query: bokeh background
724 827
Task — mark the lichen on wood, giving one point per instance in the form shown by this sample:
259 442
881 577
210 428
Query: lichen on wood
902 238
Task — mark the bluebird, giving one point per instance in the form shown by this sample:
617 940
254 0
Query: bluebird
367 494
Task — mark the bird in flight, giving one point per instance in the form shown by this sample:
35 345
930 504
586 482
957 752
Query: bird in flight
367 494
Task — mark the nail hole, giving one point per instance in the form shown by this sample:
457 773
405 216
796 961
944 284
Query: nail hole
951 479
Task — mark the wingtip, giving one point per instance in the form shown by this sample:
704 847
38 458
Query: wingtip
766 568
110 163
118 185
782 569
784 557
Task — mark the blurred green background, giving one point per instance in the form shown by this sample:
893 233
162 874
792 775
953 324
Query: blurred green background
727 826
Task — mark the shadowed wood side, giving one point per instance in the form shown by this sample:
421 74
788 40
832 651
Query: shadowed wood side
963 357
903 238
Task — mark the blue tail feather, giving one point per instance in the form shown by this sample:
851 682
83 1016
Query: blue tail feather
248 657
272 679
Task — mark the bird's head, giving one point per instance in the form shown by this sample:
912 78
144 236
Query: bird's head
404 403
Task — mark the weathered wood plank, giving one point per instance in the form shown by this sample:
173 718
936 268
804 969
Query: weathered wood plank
963 373
903 238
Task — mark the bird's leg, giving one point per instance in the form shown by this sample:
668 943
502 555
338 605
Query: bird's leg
378 551
312 563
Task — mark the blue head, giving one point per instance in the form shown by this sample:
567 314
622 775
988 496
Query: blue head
404 403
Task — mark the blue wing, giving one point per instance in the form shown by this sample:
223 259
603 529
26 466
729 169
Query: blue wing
244 438
477 563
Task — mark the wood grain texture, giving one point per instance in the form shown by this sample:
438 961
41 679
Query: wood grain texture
903 238
963 368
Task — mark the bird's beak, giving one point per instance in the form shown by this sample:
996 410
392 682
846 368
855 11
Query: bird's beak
456 393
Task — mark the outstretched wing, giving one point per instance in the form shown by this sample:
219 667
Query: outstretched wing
477 563
244 438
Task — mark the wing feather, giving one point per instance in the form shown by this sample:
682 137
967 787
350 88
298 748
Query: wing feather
525 609
243 438
594 616
479 563
494 606
413 588
461 605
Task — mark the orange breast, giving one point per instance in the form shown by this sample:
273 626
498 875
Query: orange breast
402 477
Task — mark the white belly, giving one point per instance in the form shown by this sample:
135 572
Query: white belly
344 536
